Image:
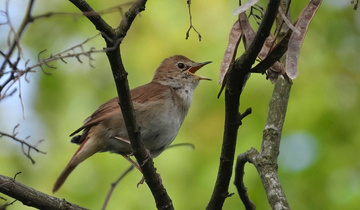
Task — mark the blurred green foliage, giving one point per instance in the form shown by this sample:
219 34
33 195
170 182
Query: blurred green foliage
324 107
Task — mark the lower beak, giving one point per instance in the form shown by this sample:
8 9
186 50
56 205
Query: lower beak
196 67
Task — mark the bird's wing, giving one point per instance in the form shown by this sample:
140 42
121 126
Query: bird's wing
100 114
148 92
139 95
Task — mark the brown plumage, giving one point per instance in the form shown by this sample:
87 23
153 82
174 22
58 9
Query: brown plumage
160 108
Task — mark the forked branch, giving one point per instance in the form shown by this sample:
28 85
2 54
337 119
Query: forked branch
26 147
113 38
265 161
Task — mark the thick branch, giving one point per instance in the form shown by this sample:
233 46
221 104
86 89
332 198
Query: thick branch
31 197
236 78
271 145
129 17
266 161
96 19
113 39
278 51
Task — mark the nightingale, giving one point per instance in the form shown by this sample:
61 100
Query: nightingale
160 108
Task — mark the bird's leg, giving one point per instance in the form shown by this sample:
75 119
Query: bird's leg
136 165
122 139
128 158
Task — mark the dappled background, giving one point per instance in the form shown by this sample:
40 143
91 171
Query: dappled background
319 164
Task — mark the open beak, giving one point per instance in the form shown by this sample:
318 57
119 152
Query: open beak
196 67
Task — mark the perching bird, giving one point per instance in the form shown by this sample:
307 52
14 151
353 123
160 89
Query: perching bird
160 108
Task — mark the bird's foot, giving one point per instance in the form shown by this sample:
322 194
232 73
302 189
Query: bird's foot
140 182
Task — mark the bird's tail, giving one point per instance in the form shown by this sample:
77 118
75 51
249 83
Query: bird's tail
86 149
64 174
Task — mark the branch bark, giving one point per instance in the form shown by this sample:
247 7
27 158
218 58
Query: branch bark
113 38
26 147
241 160
265 161
236 78
31 197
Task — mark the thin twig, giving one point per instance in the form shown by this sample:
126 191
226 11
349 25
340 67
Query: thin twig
26 147
113 185
116 8
256 17
192 146
20 31
242 159
14 45
68 53
191 24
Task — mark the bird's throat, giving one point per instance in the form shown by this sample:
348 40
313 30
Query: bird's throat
185 95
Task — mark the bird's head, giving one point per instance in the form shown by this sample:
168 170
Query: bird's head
179 71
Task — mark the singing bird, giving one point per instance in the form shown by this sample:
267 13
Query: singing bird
160 108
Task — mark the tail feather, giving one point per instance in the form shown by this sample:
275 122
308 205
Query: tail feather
88 147
64 174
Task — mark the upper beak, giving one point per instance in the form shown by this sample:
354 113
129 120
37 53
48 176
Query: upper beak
196 67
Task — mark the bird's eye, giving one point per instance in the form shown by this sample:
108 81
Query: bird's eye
180 65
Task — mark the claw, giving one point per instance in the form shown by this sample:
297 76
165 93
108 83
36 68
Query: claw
140 182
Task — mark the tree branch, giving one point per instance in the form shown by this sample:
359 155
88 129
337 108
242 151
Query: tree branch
31 197
191 23
265 162
16 41
113 39
113 185
236 78
242 159
26 147
96 19
129 17
14 45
